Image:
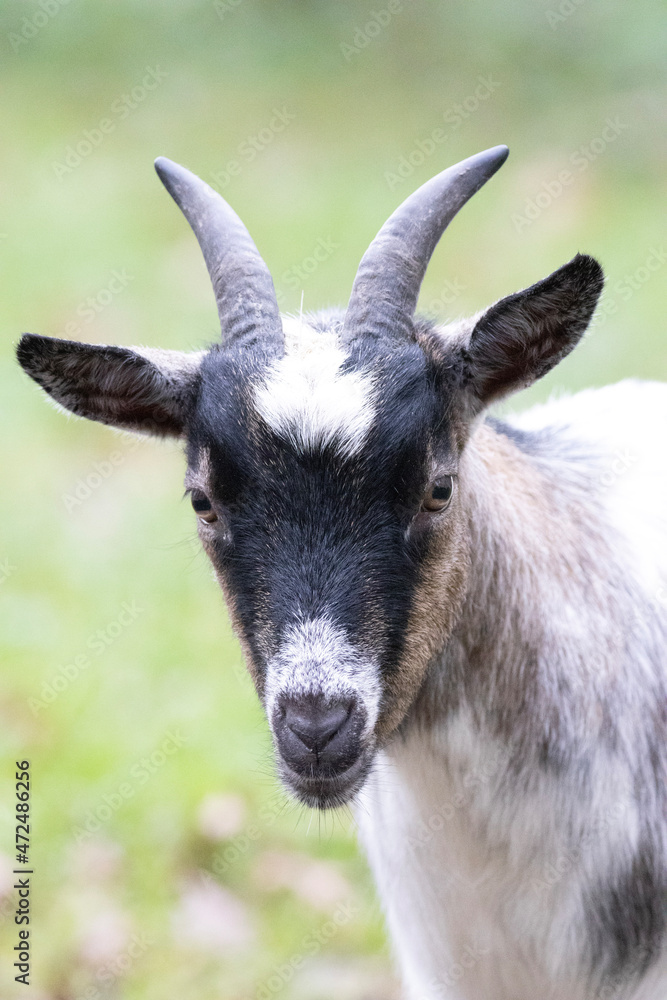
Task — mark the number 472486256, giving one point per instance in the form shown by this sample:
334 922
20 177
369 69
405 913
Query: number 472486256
22 811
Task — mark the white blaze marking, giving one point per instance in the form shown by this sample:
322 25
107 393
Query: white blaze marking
308 399
316 658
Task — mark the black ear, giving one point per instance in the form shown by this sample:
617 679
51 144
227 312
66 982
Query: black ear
519 339
144 390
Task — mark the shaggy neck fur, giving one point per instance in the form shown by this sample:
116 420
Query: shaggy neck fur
525 780
533 652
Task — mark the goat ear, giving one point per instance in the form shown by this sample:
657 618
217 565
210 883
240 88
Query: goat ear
519 339
138 389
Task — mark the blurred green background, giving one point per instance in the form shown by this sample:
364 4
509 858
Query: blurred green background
167 861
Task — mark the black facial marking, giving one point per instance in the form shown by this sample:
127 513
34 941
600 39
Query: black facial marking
322 532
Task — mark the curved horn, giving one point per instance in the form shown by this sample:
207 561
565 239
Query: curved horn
242 283
386 288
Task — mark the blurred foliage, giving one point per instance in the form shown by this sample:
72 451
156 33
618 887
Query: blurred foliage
98 558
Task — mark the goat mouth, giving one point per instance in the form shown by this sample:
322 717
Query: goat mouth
327 791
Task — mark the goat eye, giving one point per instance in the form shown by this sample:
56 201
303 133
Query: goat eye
202 507
439 494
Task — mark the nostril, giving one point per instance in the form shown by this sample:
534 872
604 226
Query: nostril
315 724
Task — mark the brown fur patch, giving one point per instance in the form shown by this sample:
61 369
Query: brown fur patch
436 606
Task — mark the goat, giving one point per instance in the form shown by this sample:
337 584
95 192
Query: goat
456 622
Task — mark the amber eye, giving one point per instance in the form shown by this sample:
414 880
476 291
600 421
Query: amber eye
439 494
202 507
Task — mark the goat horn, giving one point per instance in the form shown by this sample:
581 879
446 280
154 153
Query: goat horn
386 288
244 292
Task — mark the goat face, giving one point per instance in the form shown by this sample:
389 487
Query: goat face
324 510
323 462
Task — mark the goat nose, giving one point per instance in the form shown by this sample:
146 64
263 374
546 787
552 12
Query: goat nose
315 724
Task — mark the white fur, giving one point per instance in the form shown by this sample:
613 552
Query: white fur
485 861
483 887
315 658
627 424
308 399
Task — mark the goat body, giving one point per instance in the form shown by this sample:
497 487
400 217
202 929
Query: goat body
516 829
